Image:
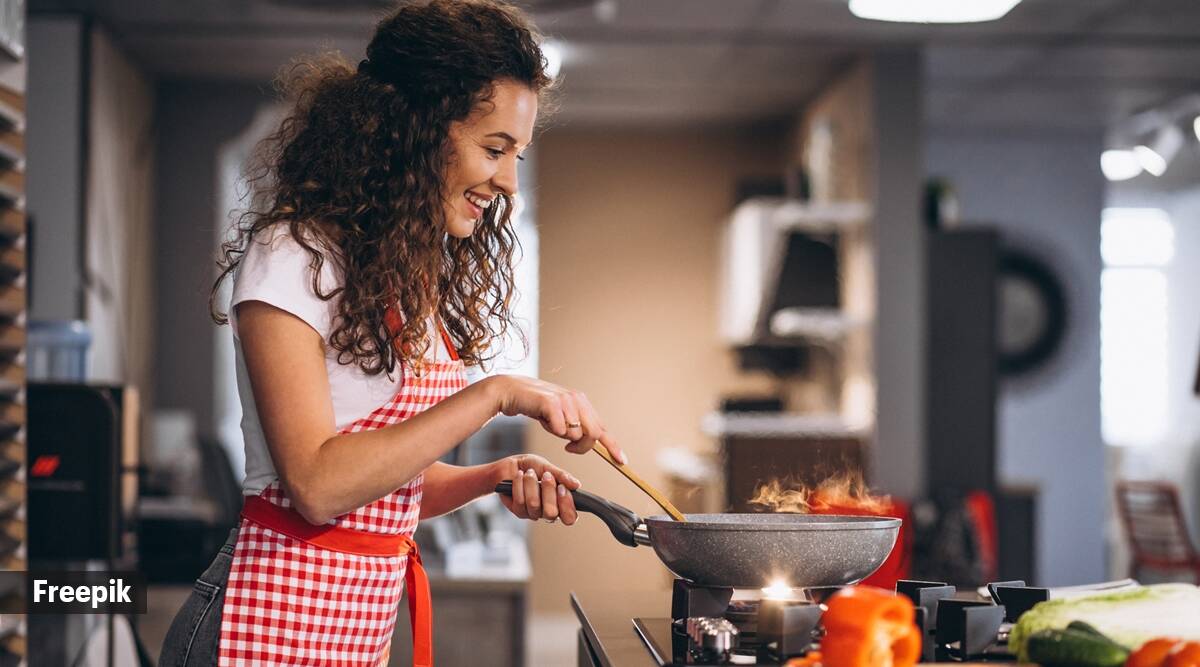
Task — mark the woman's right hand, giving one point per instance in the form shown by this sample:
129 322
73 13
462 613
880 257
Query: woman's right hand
563 412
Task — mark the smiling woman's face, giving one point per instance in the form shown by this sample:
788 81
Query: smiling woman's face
486 147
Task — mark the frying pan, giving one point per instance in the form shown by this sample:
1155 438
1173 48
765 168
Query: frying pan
751 550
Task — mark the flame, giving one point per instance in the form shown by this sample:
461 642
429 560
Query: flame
846 493
778 590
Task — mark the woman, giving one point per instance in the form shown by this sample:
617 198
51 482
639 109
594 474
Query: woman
376 266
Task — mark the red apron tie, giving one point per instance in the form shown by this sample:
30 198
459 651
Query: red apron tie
336 538
420 606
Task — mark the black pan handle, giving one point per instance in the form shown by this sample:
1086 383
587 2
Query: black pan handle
621 522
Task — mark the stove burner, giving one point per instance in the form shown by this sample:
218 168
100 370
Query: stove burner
711 638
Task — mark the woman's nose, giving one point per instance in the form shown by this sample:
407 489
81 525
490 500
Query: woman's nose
506 179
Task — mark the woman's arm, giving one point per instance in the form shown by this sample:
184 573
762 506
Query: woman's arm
449 487
326 474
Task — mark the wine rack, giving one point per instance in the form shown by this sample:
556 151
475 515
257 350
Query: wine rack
13 254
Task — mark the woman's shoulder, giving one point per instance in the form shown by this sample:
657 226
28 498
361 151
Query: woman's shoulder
287 238
279 247
278 269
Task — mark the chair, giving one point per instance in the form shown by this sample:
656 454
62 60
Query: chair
1156 529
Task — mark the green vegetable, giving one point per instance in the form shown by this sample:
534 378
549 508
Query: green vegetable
1089 629
1128 618
1074 648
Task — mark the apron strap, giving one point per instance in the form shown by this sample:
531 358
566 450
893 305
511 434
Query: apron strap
420 607
394 321
287 521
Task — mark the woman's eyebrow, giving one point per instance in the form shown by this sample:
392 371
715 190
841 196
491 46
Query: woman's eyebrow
508 138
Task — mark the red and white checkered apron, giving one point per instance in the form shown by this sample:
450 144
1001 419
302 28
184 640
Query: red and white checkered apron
292 602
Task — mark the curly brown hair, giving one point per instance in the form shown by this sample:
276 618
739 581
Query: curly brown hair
356 172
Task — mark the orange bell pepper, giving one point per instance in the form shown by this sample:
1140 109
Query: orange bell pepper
1166 652
1153 653
1185 654
869 627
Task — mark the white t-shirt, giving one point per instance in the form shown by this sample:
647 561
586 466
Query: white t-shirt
276 271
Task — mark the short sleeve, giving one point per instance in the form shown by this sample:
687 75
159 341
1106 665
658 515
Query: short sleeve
278 271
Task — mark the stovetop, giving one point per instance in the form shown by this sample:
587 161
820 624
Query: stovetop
648 630
714 626
669 647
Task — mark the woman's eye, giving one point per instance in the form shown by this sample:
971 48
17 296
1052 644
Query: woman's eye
494 153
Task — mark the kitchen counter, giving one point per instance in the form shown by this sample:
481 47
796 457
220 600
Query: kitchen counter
606 626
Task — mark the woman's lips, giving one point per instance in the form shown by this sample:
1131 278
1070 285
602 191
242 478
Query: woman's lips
477 202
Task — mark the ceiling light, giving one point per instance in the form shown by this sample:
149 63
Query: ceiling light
1196 127
553 52
932 11
1120 164
605 11
1156 155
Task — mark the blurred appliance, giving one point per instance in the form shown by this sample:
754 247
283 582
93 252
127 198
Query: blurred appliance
82 472
782 255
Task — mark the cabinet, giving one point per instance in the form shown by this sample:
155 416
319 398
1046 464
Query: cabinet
474 622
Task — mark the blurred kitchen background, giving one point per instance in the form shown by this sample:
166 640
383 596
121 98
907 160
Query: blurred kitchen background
769 238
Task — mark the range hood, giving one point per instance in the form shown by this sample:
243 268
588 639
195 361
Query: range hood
780 272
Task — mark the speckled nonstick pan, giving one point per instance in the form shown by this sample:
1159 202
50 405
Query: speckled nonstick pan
752 550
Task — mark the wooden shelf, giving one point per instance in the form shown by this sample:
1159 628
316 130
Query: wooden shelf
10 197
12 110
12 489
12 225
12 415
780 424
812 325
16 643
12 179
14 450
12 301
11 157
12 263
12 340
791 215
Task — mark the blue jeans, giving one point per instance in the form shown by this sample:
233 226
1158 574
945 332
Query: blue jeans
195 633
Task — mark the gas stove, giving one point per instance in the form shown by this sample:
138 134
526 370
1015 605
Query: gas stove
721 626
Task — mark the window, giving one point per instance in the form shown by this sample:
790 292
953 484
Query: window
1136 245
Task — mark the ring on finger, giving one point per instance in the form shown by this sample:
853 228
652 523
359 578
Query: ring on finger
574 425
550 520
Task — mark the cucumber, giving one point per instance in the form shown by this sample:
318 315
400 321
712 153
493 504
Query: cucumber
1089 629
1074 647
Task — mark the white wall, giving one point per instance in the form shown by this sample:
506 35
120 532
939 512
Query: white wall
1045 189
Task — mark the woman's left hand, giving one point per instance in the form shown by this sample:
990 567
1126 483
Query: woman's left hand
540 489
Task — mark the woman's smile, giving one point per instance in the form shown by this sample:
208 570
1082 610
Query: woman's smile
478 204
